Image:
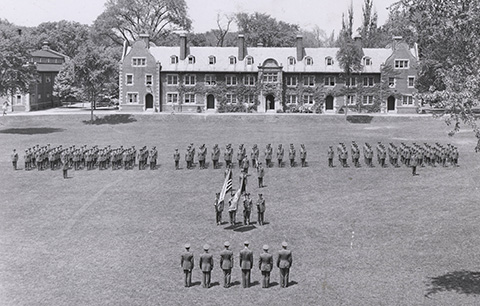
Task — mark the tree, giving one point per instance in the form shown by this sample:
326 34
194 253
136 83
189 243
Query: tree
397 24
223 29
65 86
369 29
262 28
127 19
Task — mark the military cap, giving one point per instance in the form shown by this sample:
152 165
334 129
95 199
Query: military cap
187 245
284 244
246 242
218 193
227 244
260 194
206 247
265 247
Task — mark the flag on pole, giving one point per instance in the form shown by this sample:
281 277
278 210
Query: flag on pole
227 186
236 198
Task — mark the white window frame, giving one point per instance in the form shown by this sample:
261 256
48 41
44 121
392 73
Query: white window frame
291 81
250 60
249 99
249 80
231 98
173 59
408 99
291 60
308 98
191 59
308 61
127 76
270 77
146 80
188 78
368 79
367 61
212 60
413 82
369 100
190 95
309 80
328 81
329 61
350 99
139 61
394 82
133 94
348 82
401 64
231 80
172 77
232 60
291 99
210 80
171 94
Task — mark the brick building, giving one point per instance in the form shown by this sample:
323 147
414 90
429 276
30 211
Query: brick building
189 79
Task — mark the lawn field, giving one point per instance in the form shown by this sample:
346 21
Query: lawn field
358 236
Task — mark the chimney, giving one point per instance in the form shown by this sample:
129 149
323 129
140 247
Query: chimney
45 45
241 47
396 42
300 50
183 46
19 31
146 40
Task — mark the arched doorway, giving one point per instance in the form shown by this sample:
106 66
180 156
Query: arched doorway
148 101
210 102
391 103
329 103
270 105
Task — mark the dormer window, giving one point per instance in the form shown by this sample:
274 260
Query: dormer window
329 61
212 60
232 60
292 60
249 60
173 59
309 61
367 61
191 59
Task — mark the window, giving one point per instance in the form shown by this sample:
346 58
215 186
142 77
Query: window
367 100
48 95
329 61
309 80
292 60
19 99
270 77
212 60
249 60
129 80
191 59
401 64
350 100
391 82
39 96
48 79
292 99
189 98
291 81
249 80
232 60
407 100
231 98
173 59
307 99
368 81
148 80
132 97
231 80
309 61
190 80
172 79
250 99
210 80
172 97
352 81
367 61
411 82
139 61
329 81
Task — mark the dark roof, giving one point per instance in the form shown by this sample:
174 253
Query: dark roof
49 67
46 53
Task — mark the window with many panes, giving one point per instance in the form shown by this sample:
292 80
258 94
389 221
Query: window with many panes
291 81
132 97
189 98
190 80
352 81
231 98
309 61
329 81
368 82
172 97
367 100
407 100
367 61
173 59
270 77
129 79
307 99
249 80
291 99
391 82
292 60
249 60
210 80
309 80
401 64
191 59
328 61
148 79
231 80
232 60
411 82
212 60
172 79
139 61
351 100
250 99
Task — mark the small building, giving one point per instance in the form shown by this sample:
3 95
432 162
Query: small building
264 79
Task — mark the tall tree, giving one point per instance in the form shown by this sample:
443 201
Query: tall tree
397 24
223 28
127 19
369 30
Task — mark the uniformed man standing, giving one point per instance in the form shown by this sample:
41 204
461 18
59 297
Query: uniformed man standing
187 264
189 157
153 158
413 163
303 155
265 264
260 209
228 155
246 264
206 265
202 155
176 158
268 155
247 209
254 156
280 153
215 156
261 174
245 165
226 264
291 155
284 262
330 154
218 208
65 166
14 159
240 155
232 209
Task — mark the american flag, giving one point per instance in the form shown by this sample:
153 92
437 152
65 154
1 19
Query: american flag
227 186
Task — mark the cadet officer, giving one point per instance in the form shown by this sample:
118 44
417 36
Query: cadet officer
14 159
240 155
260 209
187 264
218 208
232 209
254 156
247 209
268 155
284 262
215 156
202 155
303 155
176 158
206 265
455 157
330 154
291 155
261 174
228 155
414 162
246 264
226 264
189 157
265 264
153 158
280 153
65 166
26 159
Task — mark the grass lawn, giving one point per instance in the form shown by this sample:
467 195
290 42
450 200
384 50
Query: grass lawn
115 237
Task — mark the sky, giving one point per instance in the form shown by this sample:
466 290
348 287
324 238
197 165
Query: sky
326 14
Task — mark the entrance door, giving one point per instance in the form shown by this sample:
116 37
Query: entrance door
210 102
148 101
270 105
391 103
329 103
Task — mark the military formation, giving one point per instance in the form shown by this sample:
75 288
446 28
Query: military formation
265 264
415 155
232 208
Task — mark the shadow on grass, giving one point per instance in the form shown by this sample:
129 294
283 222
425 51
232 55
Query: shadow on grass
112 119
245 228
31 131
466 282
235 283
214 284
359 119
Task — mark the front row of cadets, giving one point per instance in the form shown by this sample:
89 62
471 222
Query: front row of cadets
246 262
241 156
247 209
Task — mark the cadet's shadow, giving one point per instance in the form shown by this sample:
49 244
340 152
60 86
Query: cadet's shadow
244 228
466 282
255 283
273 284
233 226
235 283
292 283
214 284
196 283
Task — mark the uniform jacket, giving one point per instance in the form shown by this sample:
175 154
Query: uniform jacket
284 259
226 259
246 259
219 205
261 205
187 261
206 262
265 262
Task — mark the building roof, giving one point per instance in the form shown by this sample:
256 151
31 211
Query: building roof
49 67
46 53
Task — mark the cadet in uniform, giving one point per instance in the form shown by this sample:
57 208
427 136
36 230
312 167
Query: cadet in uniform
268 155
187 264
265 264
176 158
189 157
206 265
284 262
226 264
218 208
261 174
260 209
254 156
14 159
330 154
228 155
153 158
291 155
246 264
280 153
245 165
232 209
240 155
202 155
303 155
215 156
247 209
